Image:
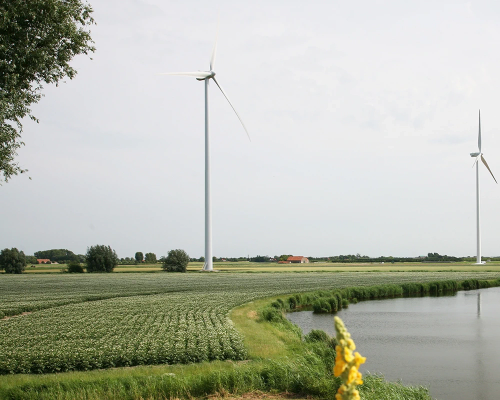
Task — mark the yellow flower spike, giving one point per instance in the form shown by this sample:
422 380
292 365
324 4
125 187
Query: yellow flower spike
348 355
347 364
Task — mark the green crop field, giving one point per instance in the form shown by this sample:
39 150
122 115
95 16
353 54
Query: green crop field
89 321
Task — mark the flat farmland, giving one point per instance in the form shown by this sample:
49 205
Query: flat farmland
90 321
244 266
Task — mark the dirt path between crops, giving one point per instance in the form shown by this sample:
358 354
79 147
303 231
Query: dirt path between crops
18 315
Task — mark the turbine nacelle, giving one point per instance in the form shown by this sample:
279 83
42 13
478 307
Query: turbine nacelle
474 154
210 74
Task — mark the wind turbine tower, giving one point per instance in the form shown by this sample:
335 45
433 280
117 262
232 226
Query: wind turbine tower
206 76
477 156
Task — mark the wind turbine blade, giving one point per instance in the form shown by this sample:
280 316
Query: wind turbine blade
234 109
486 164
196 74
479 135
214 51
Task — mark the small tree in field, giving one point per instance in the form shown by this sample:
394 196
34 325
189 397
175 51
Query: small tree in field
150 258
139 256
12 261
176 261
100 258
74 267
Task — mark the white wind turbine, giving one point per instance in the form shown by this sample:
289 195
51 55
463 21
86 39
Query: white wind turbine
206 76
479 155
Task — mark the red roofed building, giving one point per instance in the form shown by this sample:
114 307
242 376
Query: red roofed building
298 259
43 261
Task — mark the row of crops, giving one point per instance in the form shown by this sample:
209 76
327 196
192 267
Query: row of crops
102 321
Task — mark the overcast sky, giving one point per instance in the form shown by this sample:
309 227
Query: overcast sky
362 115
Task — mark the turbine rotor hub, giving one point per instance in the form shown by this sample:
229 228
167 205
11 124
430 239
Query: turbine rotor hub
211 74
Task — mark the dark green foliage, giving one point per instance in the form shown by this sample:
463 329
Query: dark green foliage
470 284
317 335
322 306
176 261
292 302
339 299
12 261
38 39
57 255
150 258
139 256
260 259
100 258
74 267
31 260
334 305
280 305
272 314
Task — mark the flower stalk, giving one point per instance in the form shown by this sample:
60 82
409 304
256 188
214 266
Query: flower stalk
347 364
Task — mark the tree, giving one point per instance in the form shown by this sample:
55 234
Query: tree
176 261
74 267
12 261
100 258
61 256
139 256
260 259
37 41
31 260
150 258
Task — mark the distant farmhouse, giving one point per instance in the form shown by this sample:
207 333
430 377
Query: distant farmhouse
43 261
297 259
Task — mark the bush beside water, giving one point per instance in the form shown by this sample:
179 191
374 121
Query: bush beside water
325 301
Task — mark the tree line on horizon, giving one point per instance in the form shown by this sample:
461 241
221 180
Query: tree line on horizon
14 261
99 258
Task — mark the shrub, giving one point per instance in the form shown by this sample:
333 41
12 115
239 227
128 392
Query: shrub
272 314
100 258
74 267
317 335
12 261
322 306
176 261
334 304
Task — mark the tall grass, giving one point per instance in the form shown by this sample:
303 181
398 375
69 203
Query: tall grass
324 301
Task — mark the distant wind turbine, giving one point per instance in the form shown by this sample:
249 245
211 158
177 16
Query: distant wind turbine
206 76
479 155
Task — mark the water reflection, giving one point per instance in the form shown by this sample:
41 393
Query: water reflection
450 344
478 305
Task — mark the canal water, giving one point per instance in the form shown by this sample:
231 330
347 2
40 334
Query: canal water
450 344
